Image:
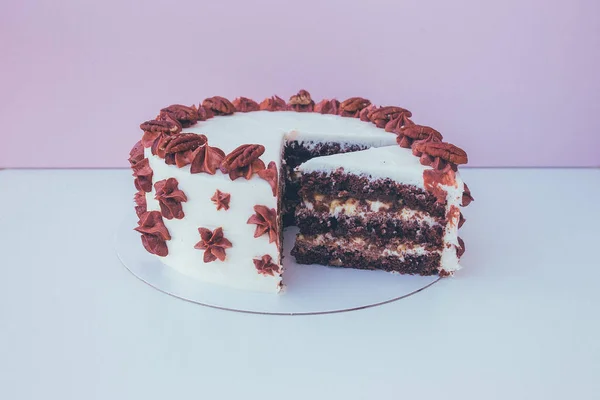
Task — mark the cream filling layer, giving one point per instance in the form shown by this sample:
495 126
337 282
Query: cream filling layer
393 248
352 208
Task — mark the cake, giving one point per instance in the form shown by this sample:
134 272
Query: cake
366 186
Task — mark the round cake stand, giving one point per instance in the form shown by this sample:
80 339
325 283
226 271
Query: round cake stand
309 289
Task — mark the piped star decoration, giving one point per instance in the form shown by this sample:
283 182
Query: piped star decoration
213 243
221 200
265 266
266 222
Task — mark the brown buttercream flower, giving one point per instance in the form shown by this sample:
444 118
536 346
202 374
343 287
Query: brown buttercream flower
154 233
274 103
169 198
219 105
265 266
266 222
221 200
382 115
136 154
270 175
364 113
140 203
327 106
143 175
460 249
206 159
466 197
213 243
204 113
244 104
461 220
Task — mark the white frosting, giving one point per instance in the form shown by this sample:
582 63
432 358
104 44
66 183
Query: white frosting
237 270
392 162
270 129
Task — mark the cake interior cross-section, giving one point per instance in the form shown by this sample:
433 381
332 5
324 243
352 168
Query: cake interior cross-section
367 187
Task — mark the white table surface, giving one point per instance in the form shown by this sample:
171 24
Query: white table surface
520 321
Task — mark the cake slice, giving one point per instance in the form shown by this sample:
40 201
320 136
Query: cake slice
379 209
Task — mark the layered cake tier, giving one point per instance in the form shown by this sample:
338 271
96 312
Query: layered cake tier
371 210
218 182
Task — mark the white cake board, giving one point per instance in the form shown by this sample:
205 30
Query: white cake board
309 289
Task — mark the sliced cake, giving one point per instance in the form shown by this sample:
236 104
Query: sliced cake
378 209
218 181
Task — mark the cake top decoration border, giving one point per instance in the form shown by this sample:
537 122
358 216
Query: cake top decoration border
425 142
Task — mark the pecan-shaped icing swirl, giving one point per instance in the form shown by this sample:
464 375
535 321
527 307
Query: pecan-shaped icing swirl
353 106
270 175
301 102
184 115
266 222
265 265
244 104
169 198
410 133
143 175
179 149
213 243
155 131
274 103
243 161
382 115
140 203
439 155
154 233
328 106
219 105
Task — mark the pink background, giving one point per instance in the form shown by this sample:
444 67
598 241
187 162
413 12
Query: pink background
515 83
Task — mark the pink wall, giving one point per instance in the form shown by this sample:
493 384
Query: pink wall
515 83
